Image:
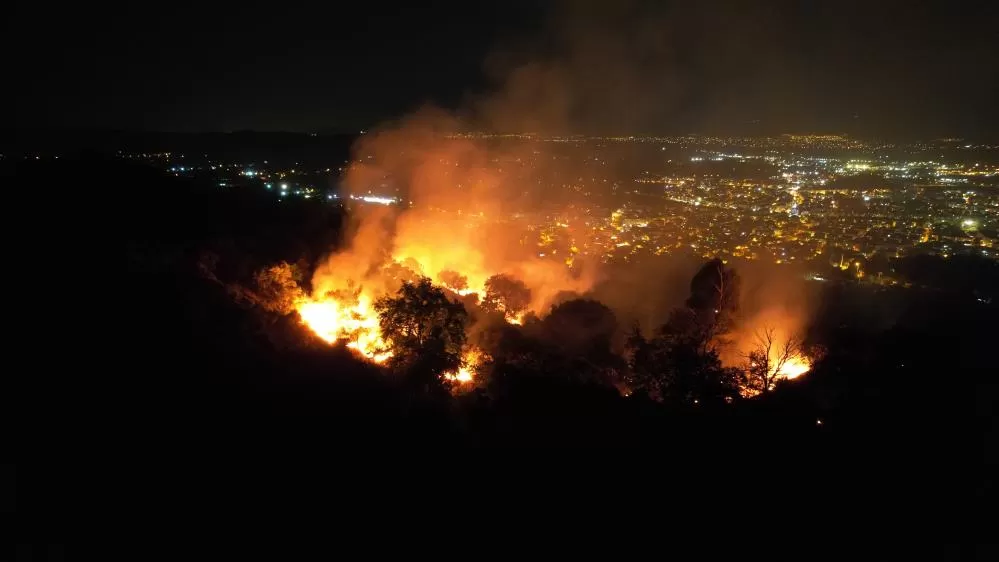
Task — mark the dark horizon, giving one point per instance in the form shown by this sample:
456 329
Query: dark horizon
891 70
16 135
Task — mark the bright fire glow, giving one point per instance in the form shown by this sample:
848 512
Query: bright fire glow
333 320
348 316
795 367
466 373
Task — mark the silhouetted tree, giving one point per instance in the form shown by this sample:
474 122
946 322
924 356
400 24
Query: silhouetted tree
765 363
684 324
532 379
506 294
580 326
713 302
714 286
426 331
675 369
581 331
643 375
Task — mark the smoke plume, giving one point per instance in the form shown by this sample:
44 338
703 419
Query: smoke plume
467 203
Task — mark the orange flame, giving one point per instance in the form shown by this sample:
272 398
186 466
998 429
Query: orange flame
333 320
466 373
350 317
455 207
795 367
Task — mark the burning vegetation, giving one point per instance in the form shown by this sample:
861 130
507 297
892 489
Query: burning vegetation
440 333
435 278
440 287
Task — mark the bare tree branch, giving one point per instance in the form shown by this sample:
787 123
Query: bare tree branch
767 359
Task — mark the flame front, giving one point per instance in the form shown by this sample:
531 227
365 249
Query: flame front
333 320
795 367
469 362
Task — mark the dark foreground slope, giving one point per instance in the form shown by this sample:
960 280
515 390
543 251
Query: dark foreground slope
142 388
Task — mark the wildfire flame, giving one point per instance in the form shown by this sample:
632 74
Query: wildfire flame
333 320
443 204
351 318
446 205
341 310
795 367
466 373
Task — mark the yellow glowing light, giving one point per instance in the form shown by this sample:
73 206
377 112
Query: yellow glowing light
794 367
357 324
466 373
463 375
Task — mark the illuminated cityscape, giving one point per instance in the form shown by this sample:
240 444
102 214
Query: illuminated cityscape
820 201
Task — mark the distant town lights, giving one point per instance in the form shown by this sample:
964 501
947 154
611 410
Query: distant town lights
375 199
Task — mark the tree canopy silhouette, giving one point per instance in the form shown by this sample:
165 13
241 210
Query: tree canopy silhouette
427 332
712 306
680 362
677 370
580 326
506 294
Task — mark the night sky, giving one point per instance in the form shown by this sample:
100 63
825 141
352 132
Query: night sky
915 69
